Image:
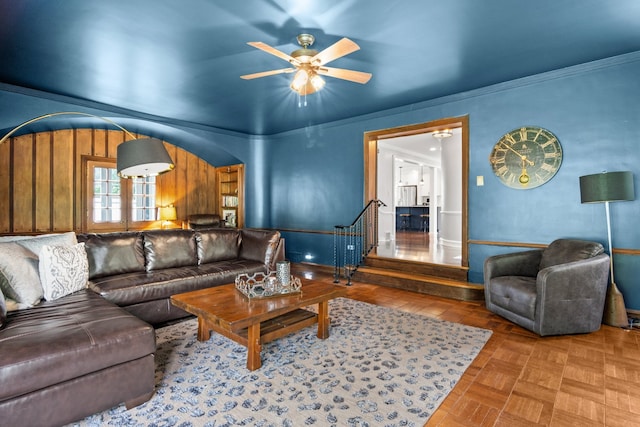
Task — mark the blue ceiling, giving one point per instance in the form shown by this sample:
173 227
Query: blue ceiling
180 62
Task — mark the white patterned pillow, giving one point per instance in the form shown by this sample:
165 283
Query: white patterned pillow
63 270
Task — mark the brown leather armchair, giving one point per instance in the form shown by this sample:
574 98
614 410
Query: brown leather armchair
200 221
554 291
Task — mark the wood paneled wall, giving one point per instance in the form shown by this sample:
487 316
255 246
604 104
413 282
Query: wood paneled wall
41 180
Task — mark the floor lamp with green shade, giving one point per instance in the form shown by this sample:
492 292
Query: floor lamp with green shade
608 187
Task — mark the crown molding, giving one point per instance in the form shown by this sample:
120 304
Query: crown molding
573 70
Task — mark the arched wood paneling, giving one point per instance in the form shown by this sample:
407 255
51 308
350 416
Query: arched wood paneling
41 180
6 202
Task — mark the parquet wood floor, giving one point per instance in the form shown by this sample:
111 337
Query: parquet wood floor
521 379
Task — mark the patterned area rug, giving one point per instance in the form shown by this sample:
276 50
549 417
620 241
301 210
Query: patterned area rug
379 367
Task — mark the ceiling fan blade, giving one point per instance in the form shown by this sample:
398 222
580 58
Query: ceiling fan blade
340 48
340 73
273 51
267 73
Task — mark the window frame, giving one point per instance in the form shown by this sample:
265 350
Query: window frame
126 196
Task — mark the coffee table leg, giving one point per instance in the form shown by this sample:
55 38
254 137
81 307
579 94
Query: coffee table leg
253 347
323 320
204 333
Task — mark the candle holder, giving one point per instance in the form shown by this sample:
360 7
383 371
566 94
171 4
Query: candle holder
283 272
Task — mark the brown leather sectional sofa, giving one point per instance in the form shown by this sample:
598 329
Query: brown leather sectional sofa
139 271
65 359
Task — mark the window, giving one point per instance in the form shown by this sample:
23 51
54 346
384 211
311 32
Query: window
117 204
143 199
107 204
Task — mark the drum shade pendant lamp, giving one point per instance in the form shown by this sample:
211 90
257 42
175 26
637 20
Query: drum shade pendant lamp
136 157
143 157
608 187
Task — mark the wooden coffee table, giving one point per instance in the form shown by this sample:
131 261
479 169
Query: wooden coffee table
253 322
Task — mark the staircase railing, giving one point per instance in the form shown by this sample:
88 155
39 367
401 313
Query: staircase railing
352 243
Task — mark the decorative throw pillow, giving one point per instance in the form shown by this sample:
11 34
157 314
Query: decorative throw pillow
15 238
63 270
4 239
12 305
19 280
35 244
3 311
258 245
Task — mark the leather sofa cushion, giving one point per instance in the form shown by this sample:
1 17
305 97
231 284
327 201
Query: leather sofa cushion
170 248
217 245
562 251
516 294
259 245
57 341
113 253
135 288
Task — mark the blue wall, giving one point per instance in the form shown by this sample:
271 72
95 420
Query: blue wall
315 177
312 179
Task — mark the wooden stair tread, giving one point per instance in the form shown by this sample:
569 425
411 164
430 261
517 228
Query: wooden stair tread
441 271
420 277
447 287
375 257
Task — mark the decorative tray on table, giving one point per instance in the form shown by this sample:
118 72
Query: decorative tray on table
261 285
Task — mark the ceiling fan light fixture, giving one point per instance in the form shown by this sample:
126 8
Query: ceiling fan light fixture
300 80
308 64
317 82
306 82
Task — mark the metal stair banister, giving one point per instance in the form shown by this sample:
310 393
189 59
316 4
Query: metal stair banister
352 243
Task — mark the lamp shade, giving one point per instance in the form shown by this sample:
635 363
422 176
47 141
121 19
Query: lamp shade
606 187
143 157
167 213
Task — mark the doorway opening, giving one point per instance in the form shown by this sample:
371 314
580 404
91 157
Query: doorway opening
425 219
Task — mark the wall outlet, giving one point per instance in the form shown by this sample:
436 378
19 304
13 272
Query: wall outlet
351 247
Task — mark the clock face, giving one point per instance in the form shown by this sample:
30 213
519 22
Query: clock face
526 157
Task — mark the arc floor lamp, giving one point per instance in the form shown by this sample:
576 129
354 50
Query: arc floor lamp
609 187
136 157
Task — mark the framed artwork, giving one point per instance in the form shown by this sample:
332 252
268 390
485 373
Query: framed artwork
229 216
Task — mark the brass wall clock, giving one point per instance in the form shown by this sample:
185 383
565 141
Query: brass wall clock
526 157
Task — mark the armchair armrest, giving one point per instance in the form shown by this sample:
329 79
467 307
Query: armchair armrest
523 263
571 296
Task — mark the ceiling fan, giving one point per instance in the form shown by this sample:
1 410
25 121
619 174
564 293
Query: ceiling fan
309 64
